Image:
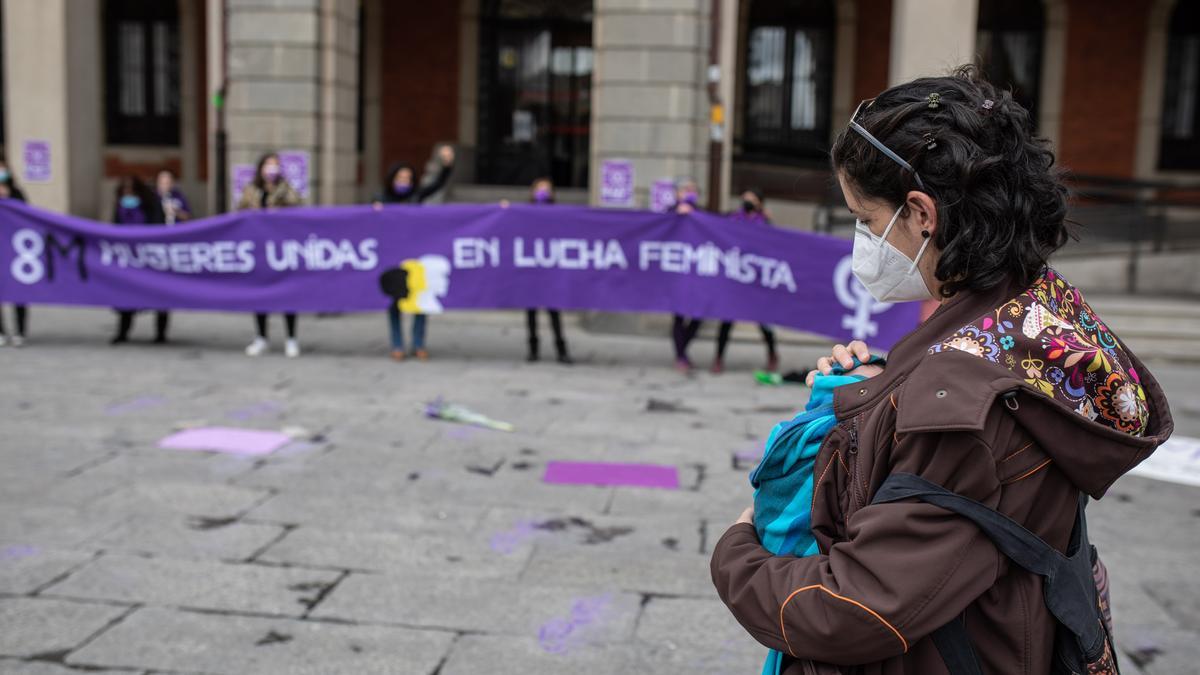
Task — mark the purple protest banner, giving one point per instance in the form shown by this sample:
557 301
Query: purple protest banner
240 175
616 183
331 259
37 161
294 165
662 195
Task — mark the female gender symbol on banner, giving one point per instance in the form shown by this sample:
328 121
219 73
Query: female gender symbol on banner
853 295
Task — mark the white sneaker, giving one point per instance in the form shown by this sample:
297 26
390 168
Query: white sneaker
257 348
17 340
291 349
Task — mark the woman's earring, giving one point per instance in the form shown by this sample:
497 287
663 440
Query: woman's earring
924 234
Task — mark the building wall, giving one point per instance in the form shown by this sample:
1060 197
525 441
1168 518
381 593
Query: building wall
292 85
420 82
1102 86
649 99
55 98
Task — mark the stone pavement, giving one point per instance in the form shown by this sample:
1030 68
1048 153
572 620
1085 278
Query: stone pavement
384 542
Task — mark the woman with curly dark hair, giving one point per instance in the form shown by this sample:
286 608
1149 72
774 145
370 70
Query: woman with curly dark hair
1013 398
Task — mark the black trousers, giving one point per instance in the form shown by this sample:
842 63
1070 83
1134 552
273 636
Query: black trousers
683 331
21 312
727 327
289 322
560 343
125 324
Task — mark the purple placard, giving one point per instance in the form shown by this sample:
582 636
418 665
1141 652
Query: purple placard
240 175
478 256
616 183
294 164
610 473
662 195
37 161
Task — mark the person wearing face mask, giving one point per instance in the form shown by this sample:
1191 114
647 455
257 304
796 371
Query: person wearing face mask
542 192
270 190
9 190
954 478
752 212
135 204
174 205
401 187
684 329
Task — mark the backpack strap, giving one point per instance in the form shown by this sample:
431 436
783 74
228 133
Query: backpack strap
954 644
1069 586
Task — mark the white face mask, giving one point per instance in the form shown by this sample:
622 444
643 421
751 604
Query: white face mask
883 269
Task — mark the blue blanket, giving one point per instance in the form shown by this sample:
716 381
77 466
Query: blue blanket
783 480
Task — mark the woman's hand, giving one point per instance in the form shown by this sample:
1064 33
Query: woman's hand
746 517
844 355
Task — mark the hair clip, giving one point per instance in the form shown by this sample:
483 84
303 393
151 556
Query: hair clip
988 104
935 99
929 140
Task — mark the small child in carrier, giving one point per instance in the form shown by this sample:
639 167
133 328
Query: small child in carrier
783 479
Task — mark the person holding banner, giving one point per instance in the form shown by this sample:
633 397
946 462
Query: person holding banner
684 329
9 190
174 205
752 212
400 187
542 192
951 483
270 190
134 203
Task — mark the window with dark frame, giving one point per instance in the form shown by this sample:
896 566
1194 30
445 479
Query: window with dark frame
142 72
1179 147
788 80
534 89
1009 47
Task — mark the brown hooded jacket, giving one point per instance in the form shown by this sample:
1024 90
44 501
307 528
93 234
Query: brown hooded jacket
1015 397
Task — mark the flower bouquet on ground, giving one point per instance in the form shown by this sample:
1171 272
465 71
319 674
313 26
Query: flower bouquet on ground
441 409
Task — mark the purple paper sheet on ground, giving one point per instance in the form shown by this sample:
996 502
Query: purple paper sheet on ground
609 473
247 442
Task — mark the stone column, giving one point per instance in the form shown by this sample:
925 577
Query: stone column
730 10
930 37
191 88
53 77
649 98
293 81
339 101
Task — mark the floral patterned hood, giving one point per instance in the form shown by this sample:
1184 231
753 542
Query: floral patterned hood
1050 337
